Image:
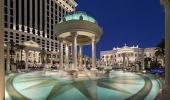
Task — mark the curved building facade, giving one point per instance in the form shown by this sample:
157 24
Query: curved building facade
126 55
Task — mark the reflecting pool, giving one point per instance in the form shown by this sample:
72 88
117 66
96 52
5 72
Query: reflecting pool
119 86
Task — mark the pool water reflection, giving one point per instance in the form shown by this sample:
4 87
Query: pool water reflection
120 86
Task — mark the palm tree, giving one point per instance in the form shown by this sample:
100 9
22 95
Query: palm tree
146 61
160 50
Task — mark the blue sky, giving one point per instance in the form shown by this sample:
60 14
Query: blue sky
134 22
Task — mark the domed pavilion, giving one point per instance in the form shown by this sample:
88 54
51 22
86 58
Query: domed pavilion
77 29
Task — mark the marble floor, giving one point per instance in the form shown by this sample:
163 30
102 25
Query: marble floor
119 86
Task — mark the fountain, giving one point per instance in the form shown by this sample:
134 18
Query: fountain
77 29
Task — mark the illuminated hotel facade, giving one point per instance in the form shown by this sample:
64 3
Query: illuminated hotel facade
131 55
31 22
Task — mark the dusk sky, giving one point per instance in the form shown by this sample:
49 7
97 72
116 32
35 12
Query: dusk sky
134 22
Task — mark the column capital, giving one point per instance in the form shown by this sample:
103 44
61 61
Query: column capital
36 32
25 29
165 2
93 38
74 34
41 33
31 30
60 39
20 27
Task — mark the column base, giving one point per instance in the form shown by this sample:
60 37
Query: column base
144 71
93 69
94 72
7 72
164 94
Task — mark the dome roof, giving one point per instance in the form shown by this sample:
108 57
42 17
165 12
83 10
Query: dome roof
78 15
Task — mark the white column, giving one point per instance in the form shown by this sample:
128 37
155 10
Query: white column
45 26
51 58
85 62
25 15
20 15
14 11
93 52
67 56
127 61
143 62
41 19
123 55
26 60
36 16
74 53
2 76
50 19
61 54
8 22
8 58
30 16
53 19
81 55
167 43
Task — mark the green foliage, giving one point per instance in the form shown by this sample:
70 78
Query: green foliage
160 50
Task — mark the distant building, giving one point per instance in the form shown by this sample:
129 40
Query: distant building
132 55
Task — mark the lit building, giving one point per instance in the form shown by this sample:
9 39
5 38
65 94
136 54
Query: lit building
126 55
33 21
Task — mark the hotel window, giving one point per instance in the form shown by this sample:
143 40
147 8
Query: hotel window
11 19
17 34
51 21
6 25
48 13
6 35
33 38
47 30
11 3
47 25
48 7
11 26
6 18
28 38
6 10
6 39
6 2
11 11
48 1
11 36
